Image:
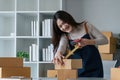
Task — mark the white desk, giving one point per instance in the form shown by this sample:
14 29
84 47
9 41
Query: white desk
14 79
88 79
71 79
52 79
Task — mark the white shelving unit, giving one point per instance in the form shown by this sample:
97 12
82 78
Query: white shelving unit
16 34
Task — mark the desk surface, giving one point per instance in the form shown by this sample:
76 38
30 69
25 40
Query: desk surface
88 79
43 78
71 79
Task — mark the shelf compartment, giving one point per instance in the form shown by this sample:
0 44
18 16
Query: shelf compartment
44 42
27 5
43 17
7 47
43 67
24 24
34 70
24 44
7 5
7 22
49 5
45 51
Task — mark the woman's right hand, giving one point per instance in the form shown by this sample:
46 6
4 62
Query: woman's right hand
58 59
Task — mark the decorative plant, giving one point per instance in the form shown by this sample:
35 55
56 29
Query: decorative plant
23 54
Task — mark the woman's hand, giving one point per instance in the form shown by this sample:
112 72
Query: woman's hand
58 59
83 42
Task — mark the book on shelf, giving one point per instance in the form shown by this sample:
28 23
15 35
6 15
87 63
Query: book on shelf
34 28
47 27
33 52
47 53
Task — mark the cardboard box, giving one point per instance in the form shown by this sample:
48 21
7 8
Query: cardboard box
115 74
67 74
110 47
11 62
15 79
106 56
70 64
63 74
6 72
52 73
108 34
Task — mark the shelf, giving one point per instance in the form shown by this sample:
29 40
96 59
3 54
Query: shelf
47 5
27 5
44 67
34 68
7 24
46 19
21 29
24 23
7 5
24 43
33 62
7 48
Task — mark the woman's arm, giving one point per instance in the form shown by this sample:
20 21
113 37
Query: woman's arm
62 44
61 50
97 37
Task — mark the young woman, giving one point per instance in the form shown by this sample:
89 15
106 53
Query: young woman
65 31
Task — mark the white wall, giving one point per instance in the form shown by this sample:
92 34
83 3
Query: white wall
104 14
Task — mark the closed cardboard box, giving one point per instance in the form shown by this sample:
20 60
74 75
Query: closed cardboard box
115 74
11 62
108 34
15 79
70 64
63 74
6 72
110 47
106 56
52 73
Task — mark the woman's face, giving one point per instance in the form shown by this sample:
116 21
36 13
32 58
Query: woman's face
65 27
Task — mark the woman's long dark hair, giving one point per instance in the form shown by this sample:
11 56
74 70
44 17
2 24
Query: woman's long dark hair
57 33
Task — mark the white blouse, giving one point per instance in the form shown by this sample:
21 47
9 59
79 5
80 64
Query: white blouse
93 32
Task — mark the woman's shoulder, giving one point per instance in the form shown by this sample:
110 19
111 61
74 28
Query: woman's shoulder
85 23
89 25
